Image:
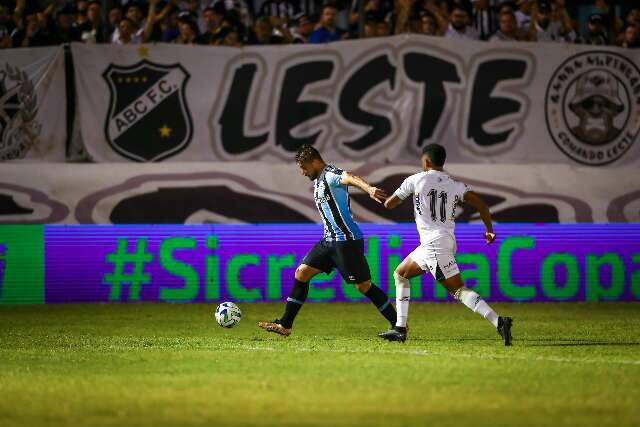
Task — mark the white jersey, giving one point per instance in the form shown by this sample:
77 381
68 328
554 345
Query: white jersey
435 197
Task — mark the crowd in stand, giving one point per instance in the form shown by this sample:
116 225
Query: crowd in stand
25 23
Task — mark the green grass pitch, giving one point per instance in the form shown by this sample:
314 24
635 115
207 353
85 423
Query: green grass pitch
172 365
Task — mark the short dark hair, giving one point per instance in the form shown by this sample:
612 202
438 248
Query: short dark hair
329 4
307 153
509 13
134 3
426 14
125 19
466 8
436 153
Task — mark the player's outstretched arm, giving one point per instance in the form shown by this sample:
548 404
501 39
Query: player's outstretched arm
392 202
375 193
476 201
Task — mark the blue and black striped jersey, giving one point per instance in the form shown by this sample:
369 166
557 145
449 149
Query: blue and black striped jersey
332 200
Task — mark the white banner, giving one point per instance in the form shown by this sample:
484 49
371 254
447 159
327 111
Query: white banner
33 115
261 192
381 99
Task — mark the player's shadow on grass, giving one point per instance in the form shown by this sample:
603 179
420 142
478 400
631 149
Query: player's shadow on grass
584 344
427 340
536 342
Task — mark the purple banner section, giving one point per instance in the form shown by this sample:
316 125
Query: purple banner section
594 262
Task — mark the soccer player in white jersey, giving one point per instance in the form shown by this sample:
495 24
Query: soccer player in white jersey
435 195
342 245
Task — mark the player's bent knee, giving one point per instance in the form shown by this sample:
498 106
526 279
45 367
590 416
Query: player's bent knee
401 280
400 275
364 286
304 273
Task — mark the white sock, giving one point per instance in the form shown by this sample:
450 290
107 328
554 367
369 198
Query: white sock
403 292
475 302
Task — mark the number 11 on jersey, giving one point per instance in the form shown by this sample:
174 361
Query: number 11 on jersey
433 198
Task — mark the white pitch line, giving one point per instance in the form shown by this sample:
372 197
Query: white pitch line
437 353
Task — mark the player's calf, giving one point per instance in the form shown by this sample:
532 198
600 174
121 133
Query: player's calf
475 302
403 296
295 301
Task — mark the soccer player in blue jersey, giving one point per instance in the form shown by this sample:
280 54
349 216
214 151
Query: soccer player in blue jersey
341 247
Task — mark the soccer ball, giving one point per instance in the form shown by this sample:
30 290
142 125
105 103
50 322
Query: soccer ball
228 315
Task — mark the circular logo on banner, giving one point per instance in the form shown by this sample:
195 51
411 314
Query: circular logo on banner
593 107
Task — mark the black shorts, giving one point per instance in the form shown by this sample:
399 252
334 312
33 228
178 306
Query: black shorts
347 256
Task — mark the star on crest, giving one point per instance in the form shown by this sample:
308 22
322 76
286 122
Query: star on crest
165 131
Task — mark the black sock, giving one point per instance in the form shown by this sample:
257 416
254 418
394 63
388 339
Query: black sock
297 297
381 301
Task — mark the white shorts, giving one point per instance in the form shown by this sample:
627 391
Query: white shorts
438 257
